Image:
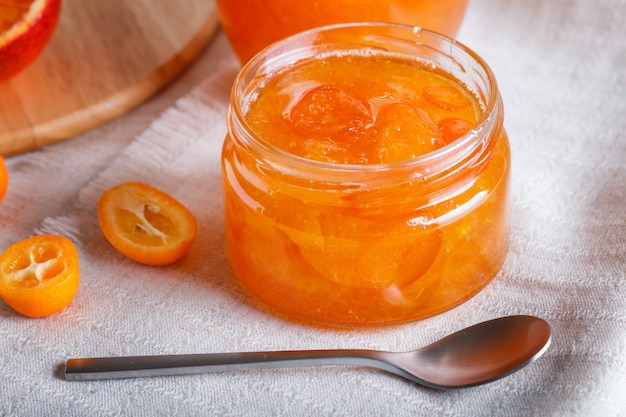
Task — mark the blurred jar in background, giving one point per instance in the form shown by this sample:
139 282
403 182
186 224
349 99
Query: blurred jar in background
251 25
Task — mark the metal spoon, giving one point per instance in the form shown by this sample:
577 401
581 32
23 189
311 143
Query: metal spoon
476 355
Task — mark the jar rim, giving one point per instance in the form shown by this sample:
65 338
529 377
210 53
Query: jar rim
466 144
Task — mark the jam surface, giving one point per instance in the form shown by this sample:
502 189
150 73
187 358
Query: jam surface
361 109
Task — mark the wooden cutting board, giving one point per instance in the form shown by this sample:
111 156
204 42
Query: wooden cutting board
105 57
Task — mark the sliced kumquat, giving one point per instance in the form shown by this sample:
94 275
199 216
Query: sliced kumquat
145 224
4 178
39 276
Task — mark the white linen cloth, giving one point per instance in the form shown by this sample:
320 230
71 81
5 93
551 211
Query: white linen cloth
561 66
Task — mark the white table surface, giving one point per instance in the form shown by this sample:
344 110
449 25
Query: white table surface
561 66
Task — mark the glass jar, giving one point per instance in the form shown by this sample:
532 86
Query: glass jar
252 25
367 244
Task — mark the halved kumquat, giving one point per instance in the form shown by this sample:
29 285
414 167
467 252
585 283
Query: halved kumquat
145 224
39 276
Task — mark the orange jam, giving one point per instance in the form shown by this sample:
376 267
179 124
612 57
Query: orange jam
365 175
251 25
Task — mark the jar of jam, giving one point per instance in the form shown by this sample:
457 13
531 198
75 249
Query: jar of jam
365 175
251 25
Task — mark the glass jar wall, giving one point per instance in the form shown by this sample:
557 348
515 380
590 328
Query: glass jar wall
366 241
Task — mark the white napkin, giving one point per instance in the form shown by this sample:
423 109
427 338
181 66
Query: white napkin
560 68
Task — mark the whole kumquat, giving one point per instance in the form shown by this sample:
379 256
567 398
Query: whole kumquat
39 276
145 224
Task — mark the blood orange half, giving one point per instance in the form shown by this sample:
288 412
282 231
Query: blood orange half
26 26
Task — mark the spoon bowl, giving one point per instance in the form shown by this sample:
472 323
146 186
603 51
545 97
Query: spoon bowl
472 356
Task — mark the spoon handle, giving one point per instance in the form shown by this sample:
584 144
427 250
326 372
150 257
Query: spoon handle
141 366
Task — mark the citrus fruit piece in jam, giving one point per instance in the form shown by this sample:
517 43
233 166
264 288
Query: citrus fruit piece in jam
447 97
26 26
368 253
452 128
327 111
328 119
39 276
404 132
145 224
